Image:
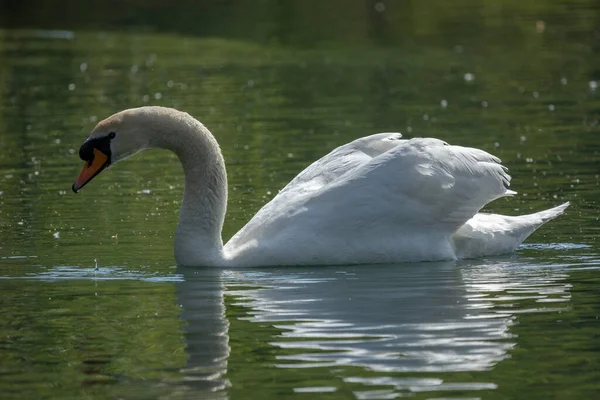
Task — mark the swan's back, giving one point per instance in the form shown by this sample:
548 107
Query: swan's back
377 199
340 162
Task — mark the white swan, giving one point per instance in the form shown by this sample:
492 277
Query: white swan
378 199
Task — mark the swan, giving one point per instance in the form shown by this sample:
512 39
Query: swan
378 199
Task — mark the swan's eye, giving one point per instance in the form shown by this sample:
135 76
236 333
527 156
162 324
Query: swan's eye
112 135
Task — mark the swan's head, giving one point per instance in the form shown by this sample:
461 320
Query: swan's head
116 138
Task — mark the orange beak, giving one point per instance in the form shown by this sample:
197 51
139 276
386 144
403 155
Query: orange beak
91 168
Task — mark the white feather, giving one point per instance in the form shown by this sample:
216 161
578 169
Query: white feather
380 199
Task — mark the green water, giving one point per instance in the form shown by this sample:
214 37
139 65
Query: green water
280 84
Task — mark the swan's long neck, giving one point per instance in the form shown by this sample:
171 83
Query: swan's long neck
198 239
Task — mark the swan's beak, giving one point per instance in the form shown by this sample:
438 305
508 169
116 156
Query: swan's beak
92 167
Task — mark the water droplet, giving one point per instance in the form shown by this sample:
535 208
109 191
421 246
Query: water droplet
170 84
563 80
71 86
444 103
551 107
425 117
540 26
158 95
593 85
536 94
379 7
150 60
484 104
83 67
469 77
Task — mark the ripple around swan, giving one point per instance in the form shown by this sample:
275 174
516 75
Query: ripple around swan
384 331
429 319
61 273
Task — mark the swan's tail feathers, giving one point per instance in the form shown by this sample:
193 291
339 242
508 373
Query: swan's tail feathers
492 234
552 213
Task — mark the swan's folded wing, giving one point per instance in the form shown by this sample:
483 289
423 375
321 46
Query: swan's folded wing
419 184
362 193
313 181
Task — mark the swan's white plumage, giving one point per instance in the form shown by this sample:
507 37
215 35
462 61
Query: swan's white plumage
377 199
493 234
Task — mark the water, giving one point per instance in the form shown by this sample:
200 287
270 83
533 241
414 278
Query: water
280 85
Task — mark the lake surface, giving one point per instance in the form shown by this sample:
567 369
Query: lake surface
92 304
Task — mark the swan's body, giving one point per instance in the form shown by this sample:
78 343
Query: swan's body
377 199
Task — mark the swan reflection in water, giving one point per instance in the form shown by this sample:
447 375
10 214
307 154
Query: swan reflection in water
388 319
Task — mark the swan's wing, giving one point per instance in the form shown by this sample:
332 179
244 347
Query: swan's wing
315 178
398 188
341 162
421 183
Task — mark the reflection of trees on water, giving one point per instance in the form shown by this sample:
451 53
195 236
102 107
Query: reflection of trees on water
275 102
26 110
